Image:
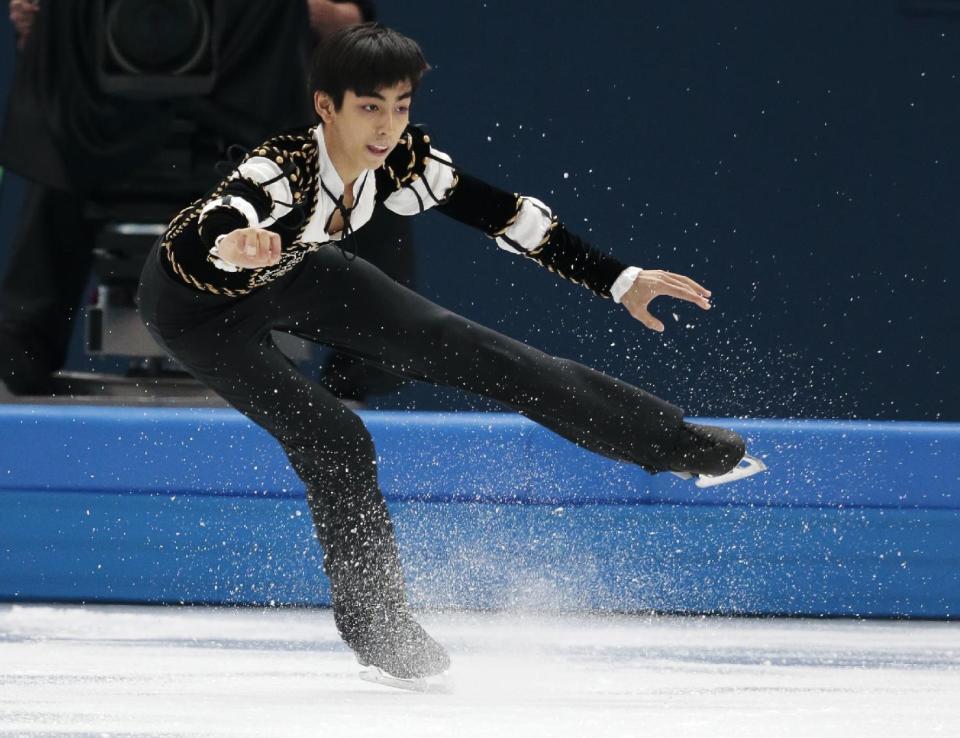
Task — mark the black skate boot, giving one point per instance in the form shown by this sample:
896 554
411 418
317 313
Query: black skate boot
705 449
401 654
714 455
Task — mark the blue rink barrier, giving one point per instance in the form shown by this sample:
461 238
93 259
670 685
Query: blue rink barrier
159 505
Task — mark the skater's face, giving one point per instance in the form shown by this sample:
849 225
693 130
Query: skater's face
365 128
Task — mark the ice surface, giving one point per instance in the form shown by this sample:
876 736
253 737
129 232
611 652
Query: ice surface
140 671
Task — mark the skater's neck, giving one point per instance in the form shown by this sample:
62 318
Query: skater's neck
347 170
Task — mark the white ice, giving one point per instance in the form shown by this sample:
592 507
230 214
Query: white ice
142 671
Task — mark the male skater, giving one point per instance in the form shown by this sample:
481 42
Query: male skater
264 252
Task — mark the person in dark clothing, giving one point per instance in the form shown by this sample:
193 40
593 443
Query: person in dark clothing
68 161
267 251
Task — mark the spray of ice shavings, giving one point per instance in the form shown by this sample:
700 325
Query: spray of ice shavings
499 557
591 558
719 369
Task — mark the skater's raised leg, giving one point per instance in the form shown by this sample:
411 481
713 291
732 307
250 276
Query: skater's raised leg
370 315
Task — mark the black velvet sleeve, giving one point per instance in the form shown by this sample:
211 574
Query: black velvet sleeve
479 205
577 261
492 210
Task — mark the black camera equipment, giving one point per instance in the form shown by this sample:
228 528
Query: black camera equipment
164 51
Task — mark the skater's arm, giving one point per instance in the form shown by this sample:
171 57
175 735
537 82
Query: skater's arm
255 195
417 177
526 226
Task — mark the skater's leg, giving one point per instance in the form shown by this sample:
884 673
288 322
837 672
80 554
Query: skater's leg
333 453
365 312
227 345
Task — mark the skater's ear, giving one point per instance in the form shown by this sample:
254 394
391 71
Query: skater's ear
323 104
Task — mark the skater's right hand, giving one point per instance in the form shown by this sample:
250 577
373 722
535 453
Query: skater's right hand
250 248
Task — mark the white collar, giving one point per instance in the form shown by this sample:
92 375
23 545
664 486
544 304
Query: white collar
364 193
328 173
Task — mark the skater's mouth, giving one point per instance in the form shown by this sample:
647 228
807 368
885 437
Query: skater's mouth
378 150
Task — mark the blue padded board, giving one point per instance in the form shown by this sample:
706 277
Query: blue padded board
199 505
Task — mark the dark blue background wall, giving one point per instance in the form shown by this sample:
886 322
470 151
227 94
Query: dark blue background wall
800 159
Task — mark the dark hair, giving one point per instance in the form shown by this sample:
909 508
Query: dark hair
364 58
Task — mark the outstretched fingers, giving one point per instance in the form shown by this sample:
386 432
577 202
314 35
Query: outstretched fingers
686 281
682 292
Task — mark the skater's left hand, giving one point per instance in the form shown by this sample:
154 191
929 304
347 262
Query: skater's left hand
651 283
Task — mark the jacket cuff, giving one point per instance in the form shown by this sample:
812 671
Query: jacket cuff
624 282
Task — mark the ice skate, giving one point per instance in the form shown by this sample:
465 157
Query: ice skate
712 455
401 654
748 466
436 684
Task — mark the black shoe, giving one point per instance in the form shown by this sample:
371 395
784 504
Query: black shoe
402 649
705 449
24 368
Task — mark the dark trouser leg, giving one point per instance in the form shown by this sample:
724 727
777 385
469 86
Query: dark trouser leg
333 453
386 242
366 313
48 267
377 319
226 344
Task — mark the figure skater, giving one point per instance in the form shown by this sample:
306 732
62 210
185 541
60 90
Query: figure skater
268 250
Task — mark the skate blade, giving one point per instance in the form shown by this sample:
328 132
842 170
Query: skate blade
748 466
438 684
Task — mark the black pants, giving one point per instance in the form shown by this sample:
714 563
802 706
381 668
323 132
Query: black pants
387 242
353 306
48 267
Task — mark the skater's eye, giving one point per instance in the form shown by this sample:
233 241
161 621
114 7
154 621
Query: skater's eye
371 107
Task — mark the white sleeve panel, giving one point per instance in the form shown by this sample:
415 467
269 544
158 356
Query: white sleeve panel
624 282
260 169
425 192
528 229
245 208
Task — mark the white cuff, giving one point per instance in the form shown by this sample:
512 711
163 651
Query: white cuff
219 263
237 203
624 282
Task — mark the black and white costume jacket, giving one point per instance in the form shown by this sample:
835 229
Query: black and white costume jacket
289 185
